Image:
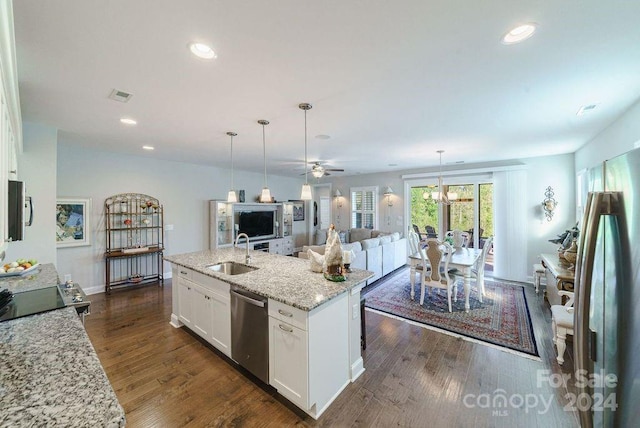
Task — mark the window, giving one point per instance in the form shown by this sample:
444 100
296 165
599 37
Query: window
364 205
325 213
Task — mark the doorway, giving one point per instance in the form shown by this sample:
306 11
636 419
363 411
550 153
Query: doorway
471 210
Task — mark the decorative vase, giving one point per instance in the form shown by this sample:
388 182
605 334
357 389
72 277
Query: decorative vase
571 253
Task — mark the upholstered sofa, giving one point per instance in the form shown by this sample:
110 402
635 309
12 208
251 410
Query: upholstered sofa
375 251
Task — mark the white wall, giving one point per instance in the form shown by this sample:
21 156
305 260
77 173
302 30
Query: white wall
37 168
183 189
619 137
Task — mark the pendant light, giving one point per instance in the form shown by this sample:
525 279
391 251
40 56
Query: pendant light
440 196
306 188
266 193
232 197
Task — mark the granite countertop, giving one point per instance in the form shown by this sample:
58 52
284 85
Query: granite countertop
283 278
51 374
45 275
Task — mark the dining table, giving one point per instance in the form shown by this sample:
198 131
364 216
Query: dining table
463 259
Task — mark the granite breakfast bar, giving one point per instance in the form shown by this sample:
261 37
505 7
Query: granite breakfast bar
314 324
51 375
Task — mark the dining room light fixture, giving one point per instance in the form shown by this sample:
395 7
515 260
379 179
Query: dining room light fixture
265 196
440 196
305 194
232 196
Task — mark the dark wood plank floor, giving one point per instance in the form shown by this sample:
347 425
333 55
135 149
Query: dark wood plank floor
414 377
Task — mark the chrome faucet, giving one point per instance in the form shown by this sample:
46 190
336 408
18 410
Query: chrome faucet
247 257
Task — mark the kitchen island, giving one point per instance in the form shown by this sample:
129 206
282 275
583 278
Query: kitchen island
51 375
313 324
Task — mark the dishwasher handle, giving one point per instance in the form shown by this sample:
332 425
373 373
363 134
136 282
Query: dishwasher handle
259 303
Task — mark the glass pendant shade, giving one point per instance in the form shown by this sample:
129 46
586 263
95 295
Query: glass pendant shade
305 195
231 196
266 195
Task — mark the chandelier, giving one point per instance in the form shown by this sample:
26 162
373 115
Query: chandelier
440 196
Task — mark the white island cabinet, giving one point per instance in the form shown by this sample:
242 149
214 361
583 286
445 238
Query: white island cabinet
204 307
313 324
309 353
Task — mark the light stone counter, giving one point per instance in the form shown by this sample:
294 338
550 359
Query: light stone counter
45 275
286 279
51 376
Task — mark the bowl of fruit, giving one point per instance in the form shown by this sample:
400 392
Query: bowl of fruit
18 267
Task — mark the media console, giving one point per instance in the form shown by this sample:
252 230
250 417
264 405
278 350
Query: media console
225 224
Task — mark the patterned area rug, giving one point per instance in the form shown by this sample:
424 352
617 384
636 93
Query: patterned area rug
501 319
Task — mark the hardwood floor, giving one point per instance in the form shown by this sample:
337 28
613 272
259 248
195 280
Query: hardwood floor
167 377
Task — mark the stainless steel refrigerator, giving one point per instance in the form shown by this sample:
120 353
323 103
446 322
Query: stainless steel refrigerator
607 310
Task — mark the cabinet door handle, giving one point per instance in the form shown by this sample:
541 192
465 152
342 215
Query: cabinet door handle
285 328
183 272
285 313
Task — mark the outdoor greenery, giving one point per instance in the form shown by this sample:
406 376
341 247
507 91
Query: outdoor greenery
461 216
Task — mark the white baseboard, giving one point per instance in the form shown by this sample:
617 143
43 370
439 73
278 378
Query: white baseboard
175 322
357 368
101 288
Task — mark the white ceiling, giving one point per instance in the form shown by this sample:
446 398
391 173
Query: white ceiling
390 82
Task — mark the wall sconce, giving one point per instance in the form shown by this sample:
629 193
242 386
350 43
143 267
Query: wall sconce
388 192
549 204
338 197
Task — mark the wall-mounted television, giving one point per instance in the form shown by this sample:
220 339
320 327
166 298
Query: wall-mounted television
257 224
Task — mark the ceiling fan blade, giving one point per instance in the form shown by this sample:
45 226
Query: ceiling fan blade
334 169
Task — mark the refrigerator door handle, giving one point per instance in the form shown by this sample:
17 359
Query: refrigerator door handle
593 345
598 204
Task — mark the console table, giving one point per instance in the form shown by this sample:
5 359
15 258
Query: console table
557 272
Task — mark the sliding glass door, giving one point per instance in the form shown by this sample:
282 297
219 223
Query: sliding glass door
471 210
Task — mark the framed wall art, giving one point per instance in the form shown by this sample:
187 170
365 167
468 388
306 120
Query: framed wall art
73 222
298 210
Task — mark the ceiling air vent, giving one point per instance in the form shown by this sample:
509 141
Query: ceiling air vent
121 96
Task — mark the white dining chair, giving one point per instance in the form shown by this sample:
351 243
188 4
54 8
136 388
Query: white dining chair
478 270
460 238
562 323
435 274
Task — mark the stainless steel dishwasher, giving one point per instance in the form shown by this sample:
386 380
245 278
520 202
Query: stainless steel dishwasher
250 332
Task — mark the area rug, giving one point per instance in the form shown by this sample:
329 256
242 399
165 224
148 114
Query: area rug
502 318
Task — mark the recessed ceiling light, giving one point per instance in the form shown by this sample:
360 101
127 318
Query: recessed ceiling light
322 137
586 109
202 51
518 34
148 147
128 121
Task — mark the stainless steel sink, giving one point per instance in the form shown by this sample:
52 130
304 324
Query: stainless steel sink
231 268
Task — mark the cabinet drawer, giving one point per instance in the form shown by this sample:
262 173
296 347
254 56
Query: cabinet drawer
183 272
210 283
288 314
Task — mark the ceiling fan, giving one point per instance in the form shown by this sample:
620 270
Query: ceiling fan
318 171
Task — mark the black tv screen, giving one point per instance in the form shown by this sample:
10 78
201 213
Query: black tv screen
256 223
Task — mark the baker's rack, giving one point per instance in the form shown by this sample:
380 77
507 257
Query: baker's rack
134 241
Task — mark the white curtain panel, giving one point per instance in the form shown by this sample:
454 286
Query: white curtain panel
510 220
